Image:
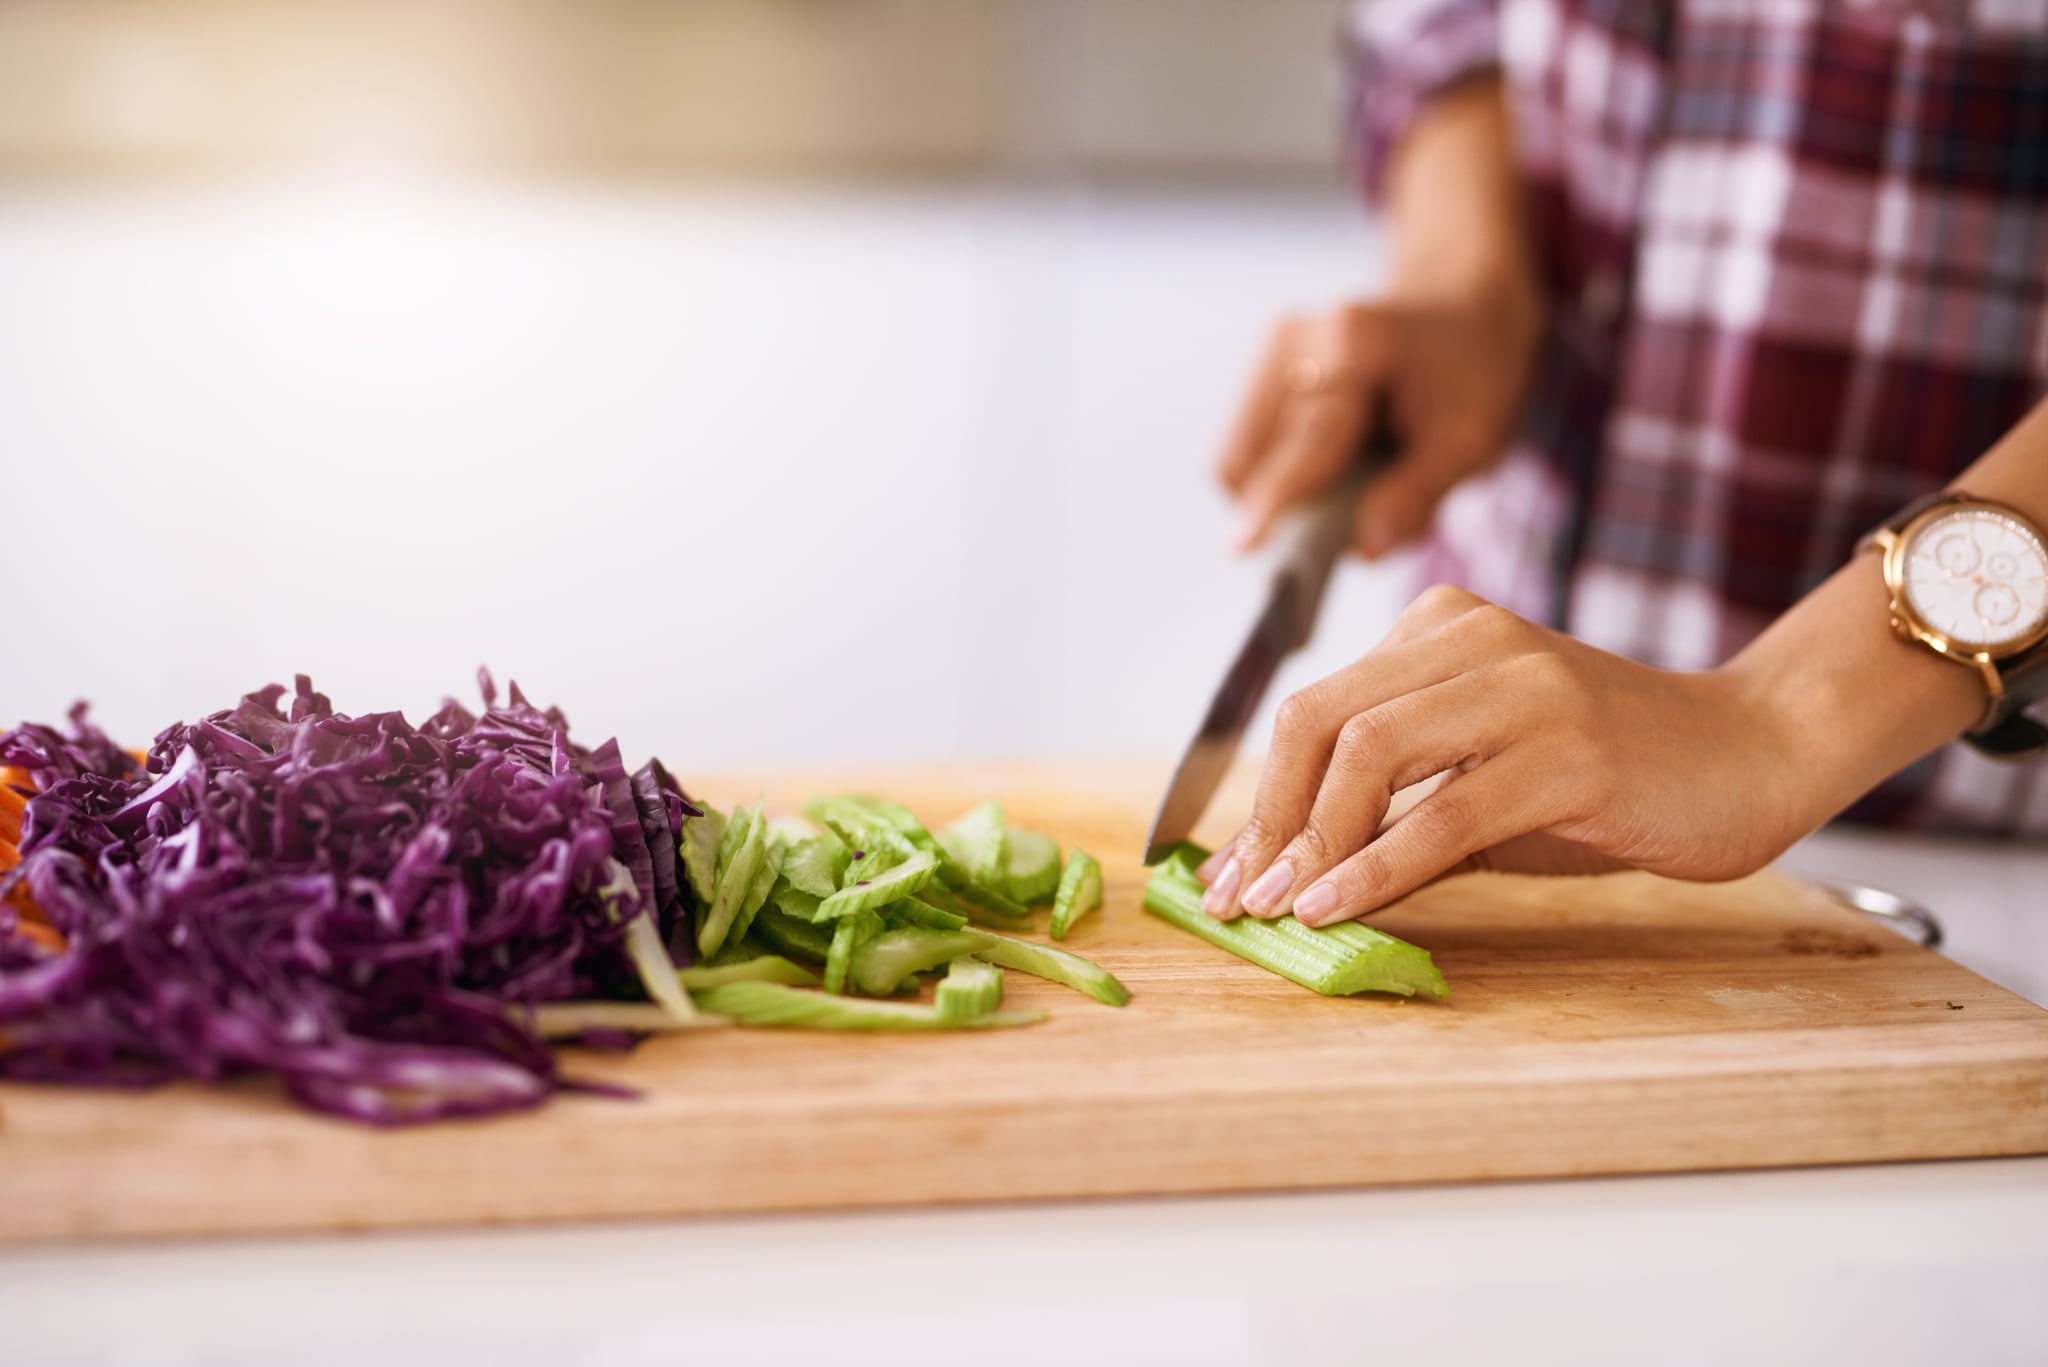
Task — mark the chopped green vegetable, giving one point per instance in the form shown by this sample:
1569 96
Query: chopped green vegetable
880 965
816 864
771 1004
971 988
1080 892
655 967
977 904
978 843
885 887
1031 866
791 934
567 1020
764 968
740 858
850 934
1333 960
915 911
1953 1006
764 882
1054 965
702 837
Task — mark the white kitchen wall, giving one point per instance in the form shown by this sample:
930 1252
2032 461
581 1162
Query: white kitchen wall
764 477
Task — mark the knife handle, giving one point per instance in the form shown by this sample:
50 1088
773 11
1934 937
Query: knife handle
1310 539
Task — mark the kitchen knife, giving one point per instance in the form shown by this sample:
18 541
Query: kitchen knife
1308 542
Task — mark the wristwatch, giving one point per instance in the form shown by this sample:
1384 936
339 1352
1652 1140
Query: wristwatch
1969 581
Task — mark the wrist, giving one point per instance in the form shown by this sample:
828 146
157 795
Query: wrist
1842 701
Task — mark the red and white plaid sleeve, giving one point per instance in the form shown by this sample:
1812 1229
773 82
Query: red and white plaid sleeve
1394 55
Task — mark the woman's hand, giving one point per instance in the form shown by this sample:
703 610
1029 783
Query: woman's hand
1560 758
1451 346
1453 373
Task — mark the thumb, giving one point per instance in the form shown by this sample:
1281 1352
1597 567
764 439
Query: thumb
1401 501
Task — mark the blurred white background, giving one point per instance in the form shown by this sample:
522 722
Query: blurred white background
746 476
776 382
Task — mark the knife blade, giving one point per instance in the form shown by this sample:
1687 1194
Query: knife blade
1308 543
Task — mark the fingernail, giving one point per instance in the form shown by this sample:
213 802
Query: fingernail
1316 903
1210 867
1222 894
1273 884
1249 529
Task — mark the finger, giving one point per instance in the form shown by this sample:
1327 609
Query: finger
1495 802
1400 503
1213 865
1314 442
1458 724
1432 609
1306 730
1252 433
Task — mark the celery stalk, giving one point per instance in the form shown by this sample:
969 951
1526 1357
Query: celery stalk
1333 960
774 1005
767 968
1055 965
970 988
881 964
1080 892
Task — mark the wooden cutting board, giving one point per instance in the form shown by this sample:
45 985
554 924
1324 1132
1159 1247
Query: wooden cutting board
1621 1024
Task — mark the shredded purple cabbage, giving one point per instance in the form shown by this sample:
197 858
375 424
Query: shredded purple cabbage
350 903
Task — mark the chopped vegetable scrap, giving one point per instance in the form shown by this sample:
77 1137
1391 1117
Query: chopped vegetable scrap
396 920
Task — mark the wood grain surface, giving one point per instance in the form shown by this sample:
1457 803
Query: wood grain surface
1618 1024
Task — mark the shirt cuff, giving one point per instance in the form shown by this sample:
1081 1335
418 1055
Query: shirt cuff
1396 54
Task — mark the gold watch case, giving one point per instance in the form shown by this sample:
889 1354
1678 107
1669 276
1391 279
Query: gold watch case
1911 626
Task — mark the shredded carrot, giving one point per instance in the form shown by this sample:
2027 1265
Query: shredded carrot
9 855
9 775
10 825
43 935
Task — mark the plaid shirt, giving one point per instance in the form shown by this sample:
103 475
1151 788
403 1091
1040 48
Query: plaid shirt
1798 258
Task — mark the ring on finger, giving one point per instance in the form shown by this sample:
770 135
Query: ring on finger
1307 375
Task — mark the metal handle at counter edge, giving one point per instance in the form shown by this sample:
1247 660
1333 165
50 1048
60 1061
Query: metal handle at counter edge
1901 913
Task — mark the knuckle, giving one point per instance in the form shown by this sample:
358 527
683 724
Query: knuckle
1360 744
1299 717
1444 822
1493 620
1442 600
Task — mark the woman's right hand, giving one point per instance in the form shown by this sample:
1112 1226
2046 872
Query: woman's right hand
1453 371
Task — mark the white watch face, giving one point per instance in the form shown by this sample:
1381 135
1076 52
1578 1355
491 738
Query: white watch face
1978 577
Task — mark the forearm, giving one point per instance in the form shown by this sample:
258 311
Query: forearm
1853 702
1454 204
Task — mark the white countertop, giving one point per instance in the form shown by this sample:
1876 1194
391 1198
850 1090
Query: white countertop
1901 1263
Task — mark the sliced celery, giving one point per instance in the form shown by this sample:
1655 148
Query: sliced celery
850 934
792 935
983 906
1080 892
702 836
765 968
740 856
815 864
915 911
1031 866
886 886
979 843
1054 965
567 1020
972 987
881 964
757 892
771 1004
1334 960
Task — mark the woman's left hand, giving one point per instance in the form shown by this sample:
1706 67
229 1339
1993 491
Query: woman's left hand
1560 758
